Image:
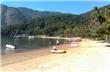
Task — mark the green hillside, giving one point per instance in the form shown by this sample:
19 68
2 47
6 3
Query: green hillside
95 23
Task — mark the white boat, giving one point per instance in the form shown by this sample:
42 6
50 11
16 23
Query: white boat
31 37
108 45
58 51
74 45
10 47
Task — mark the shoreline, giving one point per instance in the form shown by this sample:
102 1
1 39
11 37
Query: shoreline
49 37
8 59
66 38
22 50
7 56
89 56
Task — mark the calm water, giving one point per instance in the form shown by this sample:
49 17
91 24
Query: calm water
23 44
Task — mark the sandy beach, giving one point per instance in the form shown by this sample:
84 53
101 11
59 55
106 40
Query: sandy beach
90 56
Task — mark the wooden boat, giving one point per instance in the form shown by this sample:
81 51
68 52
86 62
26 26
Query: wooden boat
58 51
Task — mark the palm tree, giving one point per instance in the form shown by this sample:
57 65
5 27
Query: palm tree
104 20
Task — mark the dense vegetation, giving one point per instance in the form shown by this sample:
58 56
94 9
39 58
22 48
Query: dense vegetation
94 24
103 19
56 25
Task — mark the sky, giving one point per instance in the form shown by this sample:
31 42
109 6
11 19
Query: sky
74 7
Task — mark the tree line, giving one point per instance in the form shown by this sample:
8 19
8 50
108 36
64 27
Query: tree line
95 24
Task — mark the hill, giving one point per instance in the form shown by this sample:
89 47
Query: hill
91 24
20 15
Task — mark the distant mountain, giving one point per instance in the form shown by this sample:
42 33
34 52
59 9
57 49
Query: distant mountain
21 15
31 22
12 15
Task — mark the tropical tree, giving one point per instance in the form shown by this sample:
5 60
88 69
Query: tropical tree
104 20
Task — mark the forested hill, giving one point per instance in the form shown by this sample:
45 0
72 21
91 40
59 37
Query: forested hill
20 15
90 24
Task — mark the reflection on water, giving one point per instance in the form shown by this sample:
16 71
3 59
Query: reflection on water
23 44
8 52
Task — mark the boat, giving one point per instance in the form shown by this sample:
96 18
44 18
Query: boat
31 37
74 44
10 47
76 39
108 45
58 51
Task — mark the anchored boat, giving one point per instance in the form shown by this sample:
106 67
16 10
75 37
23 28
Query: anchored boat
10 47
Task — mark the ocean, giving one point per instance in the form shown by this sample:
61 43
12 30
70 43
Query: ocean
25 43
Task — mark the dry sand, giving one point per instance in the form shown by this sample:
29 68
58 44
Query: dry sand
91 56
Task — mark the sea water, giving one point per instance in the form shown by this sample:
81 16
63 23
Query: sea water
25 43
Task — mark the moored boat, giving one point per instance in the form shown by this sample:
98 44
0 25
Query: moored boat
58 51
10 47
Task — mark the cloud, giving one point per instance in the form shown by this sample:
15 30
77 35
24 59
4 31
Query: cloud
40 9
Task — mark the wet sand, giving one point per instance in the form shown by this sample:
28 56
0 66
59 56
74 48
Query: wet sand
39 55
91 56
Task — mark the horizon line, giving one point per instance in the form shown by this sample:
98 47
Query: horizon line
53 11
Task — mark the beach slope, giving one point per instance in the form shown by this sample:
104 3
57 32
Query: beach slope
90 56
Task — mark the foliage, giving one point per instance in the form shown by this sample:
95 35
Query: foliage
93 24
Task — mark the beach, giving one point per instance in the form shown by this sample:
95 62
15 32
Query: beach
90 56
